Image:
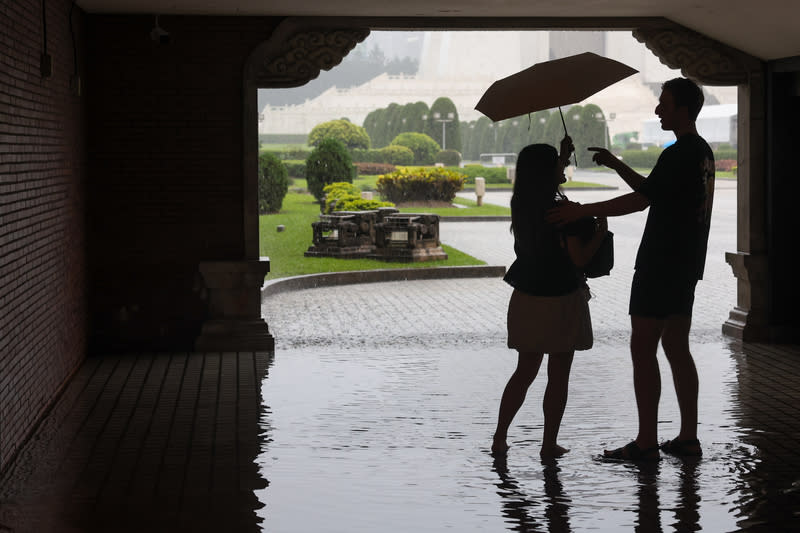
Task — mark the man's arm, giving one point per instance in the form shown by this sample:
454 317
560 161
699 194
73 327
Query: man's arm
621 205
607 159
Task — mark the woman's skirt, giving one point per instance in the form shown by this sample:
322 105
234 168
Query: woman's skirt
550 324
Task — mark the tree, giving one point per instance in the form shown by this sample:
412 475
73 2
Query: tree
351 135
553 130
328 163
443 117
594 132
424 148
372 125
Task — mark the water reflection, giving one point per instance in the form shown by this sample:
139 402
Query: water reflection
520 510
387 434
765 409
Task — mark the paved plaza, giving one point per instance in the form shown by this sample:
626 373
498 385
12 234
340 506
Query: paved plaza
376 411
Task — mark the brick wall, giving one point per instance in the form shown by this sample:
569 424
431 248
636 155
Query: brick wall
165 171
42 250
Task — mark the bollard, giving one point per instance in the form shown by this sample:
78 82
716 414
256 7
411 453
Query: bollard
480 189
511 174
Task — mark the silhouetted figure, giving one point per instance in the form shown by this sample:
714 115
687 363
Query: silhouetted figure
548 311
670 261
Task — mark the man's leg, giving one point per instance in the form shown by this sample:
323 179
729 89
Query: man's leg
675 341
646 333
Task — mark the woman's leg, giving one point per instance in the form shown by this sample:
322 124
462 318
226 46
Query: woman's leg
555 401
514 394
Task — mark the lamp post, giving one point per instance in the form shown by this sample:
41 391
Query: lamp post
438 118
599 117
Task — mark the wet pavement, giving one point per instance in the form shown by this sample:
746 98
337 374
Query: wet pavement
376 410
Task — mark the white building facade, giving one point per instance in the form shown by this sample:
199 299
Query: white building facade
462 65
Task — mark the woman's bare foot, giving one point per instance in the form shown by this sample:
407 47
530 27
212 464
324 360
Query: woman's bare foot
499 446
552 451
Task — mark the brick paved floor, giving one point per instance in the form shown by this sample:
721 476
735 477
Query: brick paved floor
375 411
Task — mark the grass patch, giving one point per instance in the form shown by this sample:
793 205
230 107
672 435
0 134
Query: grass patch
285 249
471 209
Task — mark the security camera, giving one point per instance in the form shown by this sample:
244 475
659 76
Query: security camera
159 35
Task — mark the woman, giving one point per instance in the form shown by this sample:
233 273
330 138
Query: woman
548 311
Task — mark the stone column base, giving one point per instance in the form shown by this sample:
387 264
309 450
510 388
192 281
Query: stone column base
235 335
748 321
234 323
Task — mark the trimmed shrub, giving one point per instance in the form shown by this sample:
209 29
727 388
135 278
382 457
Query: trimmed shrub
351 135
490 174
288 153
273 184
328 163
393 155
423 147
397 155
372 169
365 156
295 168
450 158
641 158
420 185
343 196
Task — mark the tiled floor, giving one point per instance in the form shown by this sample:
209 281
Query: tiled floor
149 442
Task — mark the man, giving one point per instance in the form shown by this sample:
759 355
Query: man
671 258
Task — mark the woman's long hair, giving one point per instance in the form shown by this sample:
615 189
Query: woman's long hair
535 188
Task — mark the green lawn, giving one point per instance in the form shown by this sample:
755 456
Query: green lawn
285 249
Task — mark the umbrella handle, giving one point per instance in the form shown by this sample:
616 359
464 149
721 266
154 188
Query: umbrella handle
574 156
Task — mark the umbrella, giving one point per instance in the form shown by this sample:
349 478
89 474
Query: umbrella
551 84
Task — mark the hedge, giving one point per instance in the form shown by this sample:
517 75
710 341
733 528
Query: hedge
725 164
290 153
371 169
490 174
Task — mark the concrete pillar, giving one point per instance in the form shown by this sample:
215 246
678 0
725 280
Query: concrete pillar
749 320
234 321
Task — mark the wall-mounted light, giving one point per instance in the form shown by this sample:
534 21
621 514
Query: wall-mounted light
159 34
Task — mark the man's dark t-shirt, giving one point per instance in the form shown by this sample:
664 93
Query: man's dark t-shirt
681 193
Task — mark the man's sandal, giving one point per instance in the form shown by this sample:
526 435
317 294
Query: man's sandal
682 448
632 452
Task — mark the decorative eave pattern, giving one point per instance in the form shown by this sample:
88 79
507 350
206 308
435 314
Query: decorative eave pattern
299 57
700 58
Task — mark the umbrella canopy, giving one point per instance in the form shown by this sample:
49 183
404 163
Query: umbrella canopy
551 84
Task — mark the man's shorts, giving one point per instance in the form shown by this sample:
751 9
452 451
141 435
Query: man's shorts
656 296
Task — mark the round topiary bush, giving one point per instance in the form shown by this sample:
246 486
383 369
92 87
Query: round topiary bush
395 154
273 183
328 163
450 158
424 147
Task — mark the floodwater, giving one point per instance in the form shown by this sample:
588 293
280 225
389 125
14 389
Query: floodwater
396 440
